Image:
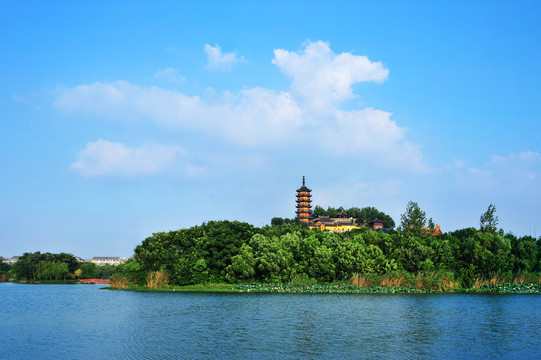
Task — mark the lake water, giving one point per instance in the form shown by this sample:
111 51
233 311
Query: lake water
84 322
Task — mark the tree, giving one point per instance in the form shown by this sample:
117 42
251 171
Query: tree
370 213
431 226
489 221
277 221
78 273
89 270
318 211
49 270
105 271
413 220
25 267
69 259
332 212
242 265
4 268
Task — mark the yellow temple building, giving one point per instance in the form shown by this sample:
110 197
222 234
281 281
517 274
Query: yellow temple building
341 223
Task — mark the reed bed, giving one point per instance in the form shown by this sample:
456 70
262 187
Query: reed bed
120 282
360 280
393 280
424 281
157 280
507 279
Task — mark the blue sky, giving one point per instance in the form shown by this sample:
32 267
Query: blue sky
120 119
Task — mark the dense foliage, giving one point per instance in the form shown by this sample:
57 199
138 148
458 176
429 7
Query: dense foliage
287 252
5 270
39 266
235 252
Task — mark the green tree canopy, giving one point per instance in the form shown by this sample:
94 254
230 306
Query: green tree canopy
413 220
4 267
89 270
489 221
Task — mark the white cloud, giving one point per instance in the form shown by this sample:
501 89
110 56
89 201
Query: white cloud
218 60
170 74
262 116
96 98
510 174
308 114
370 131
254 116
112 158
321 77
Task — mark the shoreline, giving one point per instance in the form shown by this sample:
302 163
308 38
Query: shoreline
263 288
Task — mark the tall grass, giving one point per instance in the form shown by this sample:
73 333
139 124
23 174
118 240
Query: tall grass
359 280
508 278
392 280
437 281
426 281
157 280
120 282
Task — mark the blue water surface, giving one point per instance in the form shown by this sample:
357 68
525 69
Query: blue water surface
84 322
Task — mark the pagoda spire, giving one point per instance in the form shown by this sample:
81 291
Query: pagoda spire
304 203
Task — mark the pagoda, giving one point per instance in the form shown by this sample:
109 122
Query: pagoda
304 207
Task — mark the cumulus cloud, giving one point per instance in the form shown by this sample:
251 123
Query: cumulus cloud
308 113
170 74
217 60
320 76
112 158
253 116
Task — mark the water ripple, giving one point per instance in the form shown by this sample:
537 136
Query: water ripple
81 321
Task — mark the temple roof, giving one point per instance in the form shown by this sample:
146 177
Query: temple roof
333 221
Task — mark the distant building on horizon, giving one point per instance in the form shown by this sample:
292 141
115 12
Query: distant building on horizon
12 260
98 260
107 260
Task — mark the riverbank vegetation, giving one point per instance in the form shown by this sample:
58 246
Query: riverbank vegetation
40 267
288 253
5 270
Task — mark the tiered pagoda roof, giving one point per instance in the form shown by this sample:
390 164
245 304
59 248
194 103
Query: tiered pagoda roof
304 203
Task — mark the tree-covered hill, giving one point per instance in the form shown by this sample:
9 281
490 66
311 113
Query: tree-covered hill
232 251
